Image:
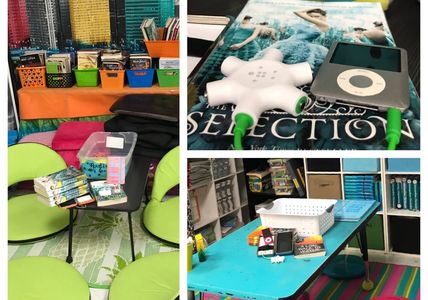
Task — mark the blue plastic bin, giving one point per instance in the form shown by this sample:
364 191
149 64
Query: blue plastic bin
361 165
140 78
403 165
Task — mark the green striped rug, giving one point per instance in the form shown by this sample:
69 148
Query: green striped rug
388 280
101 245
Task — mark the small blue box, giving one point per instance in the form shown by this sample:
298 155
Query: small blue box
361 165
403 165
140 78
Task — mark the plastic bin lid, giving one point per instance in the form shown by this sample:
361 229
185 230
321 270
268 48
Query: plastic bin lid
299 206
103 144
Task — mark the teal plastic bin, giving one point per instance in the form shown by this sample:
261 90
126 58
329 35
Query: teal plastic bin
361 165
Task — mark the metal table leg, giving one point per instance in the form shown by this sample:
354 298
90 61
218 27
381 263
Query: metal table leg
70 237
131 236
367 284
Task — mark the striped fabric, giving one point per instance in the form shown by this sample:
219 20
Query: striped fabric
388 280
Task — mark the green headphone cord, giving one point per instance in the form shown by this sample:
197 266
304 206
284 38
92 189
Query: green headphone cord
242 123
393 128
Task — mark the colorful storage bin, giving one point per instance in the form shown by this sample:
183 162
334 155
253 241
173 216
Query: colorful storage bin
112 79
32 77
87 77
62 80
140 78
168 77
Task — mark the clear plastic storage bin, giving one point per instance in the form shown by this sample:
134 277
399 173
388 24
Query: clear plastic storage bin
99 146
308 216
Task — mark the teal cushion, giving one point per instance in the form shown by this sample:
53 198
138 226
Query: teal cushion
45 278
30 219
154 277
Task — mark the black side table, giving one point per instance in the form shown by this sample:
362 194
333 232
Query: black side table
135 185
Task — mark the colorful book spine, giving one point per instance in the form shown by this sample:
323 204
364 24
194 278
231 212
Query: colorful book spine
404 189
393 194
70 194
56 192
416 186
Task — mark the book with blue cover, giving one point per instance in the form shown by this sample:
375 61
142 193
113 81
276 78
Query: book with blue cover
322 125
351 210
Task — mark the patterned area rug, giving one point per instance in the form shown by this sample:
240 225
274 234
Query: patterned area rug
101 245
388 280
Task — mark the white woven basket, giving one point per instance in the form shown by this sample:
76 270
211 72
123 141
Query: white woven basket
308 216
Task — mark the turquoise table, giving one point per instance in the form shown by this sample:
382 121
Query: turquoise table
233 268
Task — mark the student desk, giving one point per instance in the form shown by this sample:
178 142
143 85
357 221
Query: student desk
233 268
135 185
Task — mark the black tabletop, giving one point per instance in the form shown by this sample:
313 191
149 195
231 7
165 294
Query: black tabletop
403 18
135 184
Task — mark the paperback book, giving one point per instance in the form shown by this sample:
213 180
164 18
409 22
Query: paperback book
59 179
309 247
322 125
108 194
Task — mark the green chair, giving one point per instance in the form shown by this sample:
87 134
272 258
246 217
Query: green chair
160 217
29 219
155 277
45 278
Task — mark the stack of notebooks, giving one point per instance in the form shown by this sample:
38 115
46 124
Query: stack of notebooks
405 193
363 187
88 59
113 60
223 190
199 172
351 210
140 61
60 63
64 188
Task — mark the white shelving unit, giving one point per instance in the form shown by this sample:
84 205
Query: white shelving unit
210 215
387 255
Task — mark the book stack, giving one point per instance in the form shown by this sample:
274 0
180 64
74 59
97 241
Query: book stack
62 188
60 63
281 179
149 30
88 59
309 247
351 210
199 172
32 58
363 187
405 193
113 60
172 29
223 190
140 61
107 193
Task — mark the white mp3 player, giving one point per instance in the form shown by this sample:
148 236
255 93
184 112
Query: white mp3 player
360 74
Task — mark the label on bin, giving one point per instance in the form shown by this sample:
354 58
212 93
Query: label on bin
116 169
114 142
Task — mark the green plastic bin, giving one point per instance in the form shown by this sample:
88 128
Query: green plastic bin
87 77
168 77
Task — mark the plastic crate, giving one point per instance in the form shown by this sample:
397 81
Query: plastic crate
87 77
308 216
111 79
94 153
32 77
62 80
140 78
168 77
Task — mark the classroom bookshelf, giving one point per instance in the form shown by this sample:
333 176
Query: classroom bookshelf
211 220
393 234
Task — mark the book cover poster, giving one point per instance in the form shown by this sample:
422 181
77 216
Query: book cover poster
303 31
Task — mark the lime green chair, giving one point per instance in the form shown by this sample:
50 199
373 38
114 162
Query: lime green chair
45 278
155 277
160 217
28 218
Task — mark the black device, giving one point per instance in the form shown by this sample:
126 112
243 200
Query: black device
284 241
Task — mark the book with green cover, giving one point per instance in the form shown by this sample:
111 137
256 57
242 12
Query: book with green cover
107 193
59 179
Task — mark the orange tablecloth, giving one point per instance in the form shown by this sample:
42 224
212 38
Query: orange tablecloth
45 103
